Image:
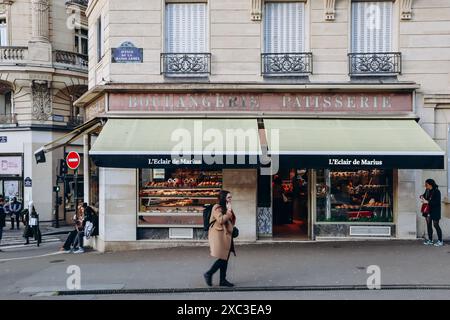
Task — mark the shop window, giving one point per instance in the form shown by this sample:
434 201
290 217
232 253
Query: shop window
355 195
169 197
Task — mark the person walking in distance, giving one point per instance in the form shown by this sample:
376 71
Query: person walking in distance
14 209
220 237
432 197
2 218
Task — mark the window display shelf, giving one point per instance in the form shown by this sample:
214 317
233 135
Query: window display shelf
179 197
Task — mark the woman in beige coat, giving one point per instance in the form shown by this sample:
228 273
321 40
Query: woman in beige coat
220 238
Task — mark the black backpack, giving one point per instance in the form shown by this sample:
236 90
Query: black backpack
206 216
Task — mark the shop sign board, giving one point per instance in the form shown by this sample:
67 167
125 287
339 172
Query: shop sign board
307 103
11 166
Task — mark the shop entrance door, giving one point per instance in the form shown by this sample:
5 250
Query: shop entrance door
290 204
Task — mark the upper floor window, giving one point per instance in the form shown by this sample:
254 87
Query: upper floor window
186 48
5 104
372 26
81 41
185 28
371 52
100 39
3 33
284 40
284 27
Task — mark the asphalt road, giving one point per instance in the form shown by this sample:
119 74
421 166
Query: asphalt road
37 273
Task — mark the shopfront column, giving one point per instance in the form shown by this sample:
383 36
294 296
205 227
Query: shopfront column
117 212
407 202
86 169
242 184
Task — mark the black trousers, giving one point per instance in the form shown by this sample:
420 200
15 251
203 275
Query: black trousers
70 240
16 216
222 265
430 224
36 235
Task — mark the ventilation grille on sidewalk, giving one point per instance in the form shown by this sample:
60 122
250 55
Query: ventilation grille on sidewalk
181 233
369 231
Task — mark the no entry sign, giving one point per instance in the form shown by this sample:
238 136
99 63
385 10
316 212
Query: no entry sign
73 160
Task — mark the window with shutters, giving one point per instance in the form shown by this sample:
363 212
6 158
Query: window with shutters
284 39
3 33
371 45
186 48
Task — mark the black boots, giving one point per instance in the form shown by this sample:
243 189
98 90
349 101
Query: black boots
225 283
208 279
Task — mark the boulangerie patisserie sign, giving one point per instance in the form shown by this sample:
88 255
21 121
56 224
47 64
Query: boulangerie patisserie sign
361 103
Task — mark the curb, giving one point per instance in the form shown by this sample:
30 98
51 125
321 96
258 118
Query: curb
249 289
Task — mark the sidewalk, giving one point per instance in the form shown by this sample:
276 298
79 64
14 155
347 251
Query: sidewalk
15 238
263 265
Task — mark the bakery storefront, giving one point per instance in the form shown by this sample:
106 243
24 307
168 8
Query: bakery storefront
341 163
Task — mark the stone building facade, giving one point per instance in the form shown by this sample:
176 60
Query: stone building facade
355 51
43 70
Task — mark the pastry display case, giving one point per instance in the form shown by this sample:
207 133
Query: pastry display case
176 196
359 195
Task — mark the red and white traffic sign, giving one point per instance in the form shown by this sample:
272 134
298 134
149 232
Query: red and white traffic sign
73 160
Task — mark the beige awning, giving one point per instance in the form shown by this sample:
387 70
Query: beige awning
352 143
138 143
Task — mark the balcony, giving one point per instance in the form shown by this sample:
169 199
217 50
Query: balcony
286 64
13 55
70 60
83 3
6 119
75 121
185 64
375 64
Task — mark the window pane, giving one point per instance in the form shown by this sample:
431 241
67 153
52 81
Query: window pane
3 33
185 27
372 26
84 46
355 195
284 27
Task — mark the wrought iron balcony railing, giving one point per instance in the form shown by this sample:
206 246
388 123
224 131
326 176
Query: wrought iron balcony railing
375 63
286 64
186 64
68 59
80 2
13 55
8 118
75 121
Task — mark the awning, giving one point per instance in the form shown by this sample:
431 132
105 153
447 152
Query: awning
68 138
162 143
347 143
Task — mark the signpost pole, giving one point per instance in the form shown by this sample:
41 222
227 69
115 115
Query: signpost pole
76 190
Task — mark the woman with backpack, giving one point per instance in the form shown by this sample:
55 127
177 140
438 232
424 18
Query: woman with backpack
220 235
431 210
